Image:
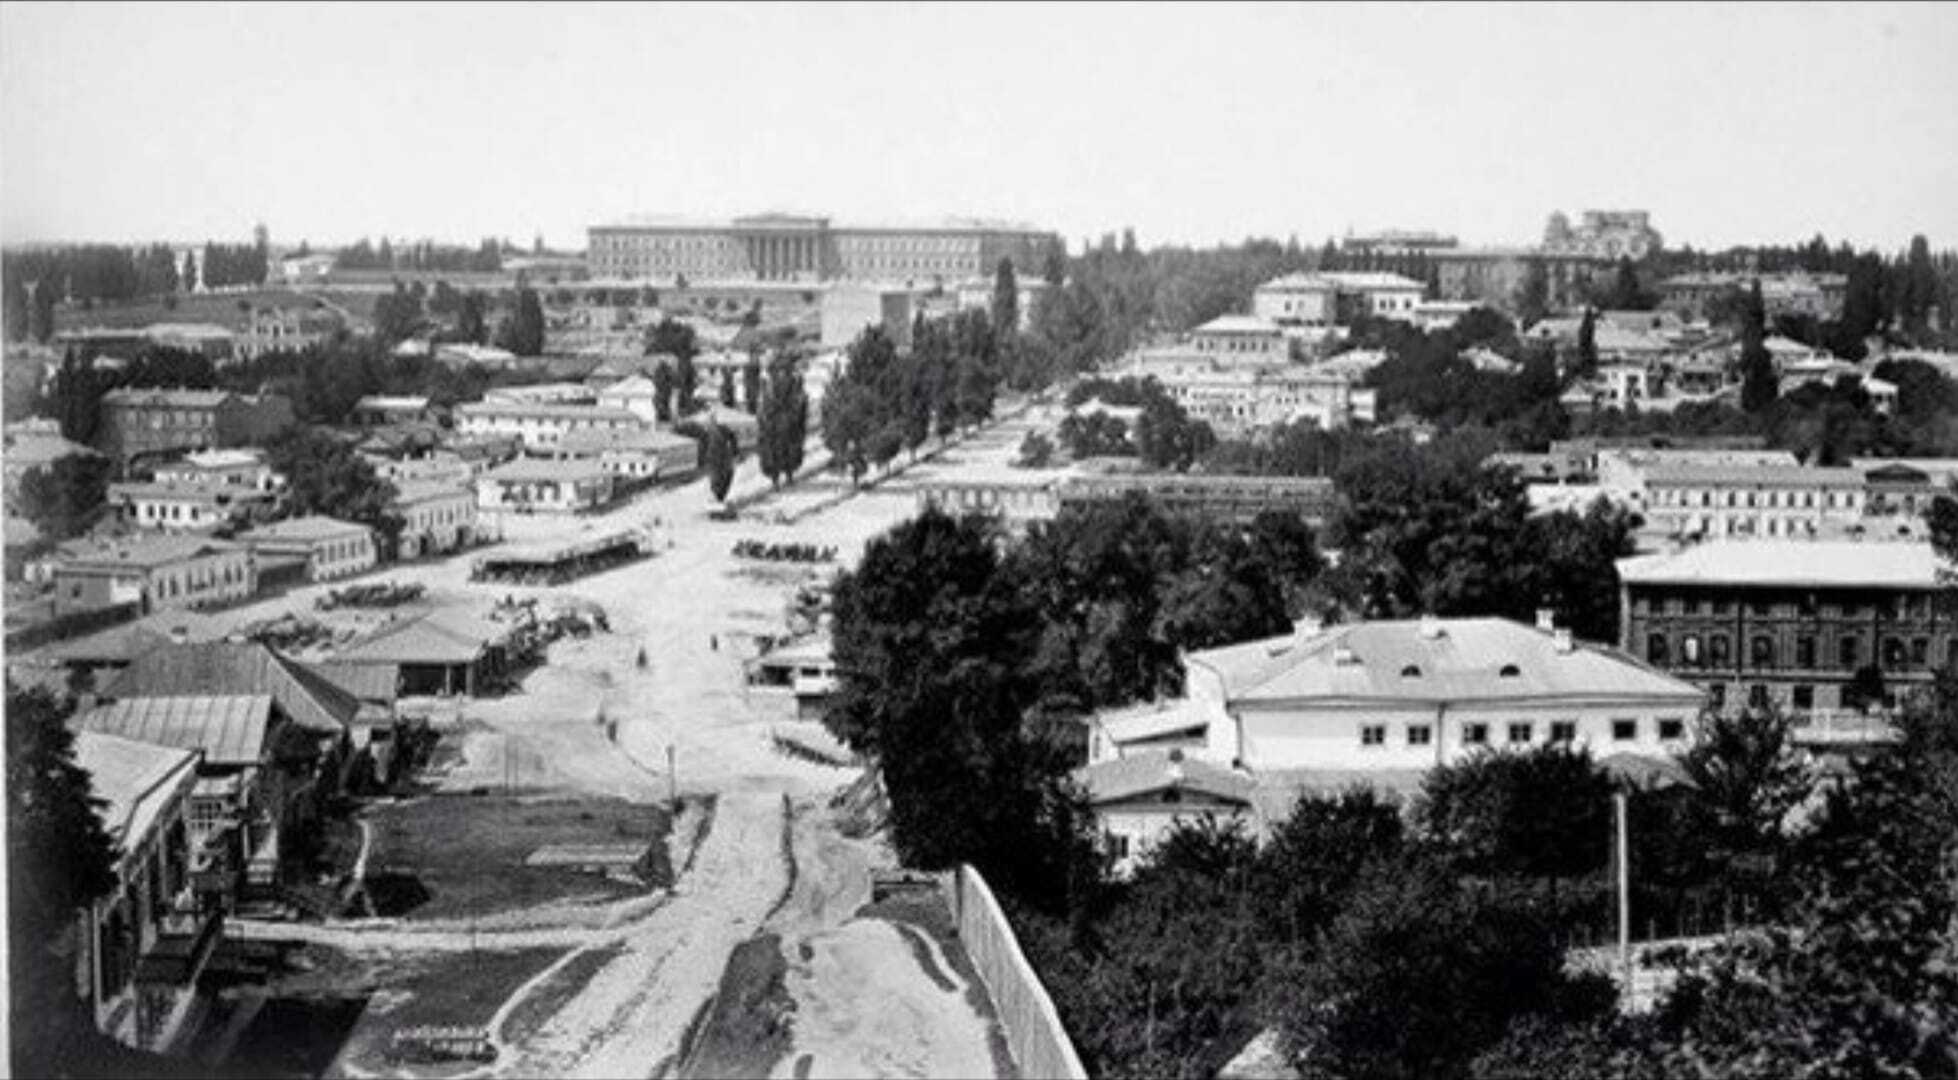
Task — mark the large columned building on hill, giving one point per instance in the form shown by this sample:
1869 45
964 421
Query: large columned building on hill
797 248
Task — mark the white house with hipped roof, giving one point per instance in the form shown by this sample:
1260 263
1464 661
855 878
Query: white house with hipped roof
1406 695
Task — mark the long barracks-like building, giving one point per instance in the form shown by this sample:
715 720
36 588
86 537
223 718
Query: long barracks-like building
790 248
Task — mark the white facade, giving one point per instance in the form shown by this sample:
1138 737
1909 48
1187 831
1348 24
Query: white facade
539 425
435 518
332 549
1296 299
1408 695
1241 339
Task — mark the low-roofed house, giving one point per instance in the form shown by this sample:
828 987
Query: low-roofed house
1405 695
436 517
1241 339
189 505
331 548
441 653
538 423
235 668
105 652
635 394
152 573
381 410
644 455
532 485
1140 798
144 945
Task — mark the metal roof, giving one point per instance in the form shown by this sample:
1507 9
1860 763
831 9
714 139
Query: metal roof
1139 774
132 778
308 529
1823 563
229 730
1462 660
427 640
238 668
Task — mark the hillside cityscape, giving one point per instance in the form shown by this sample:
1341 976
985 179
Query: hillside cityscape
797 642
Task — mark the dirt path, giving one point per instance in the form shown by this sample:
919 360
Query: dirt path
631 1017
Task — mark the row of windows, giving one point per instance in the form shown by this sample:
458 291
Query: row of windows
1903 605
1519 733
1787 499
200 579
1764 652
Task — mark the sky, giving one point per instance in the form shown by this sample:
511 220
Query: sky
1193 124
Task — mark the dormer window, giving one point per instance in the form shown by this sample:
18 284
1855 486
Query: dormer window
1411 671
1510 671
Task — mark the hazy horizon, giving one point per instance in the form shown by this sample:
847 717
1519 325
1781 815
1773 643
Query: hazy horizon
1191 124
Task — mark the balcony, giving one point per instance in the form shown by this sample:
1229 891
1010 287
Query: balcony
184 942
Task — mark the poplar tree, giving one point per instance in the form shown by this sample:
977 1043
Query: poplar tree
1759 384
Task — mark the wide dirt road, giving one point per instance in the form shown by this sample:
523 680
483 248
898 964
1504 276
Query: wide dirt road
631 1018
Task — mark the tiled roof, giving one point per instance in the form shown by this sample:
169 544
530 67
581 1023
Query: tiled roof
170 399
1139 774
537 470
130 778
548 411
121 644
146 552
229 729
1372 281
1396 661
237 667
644 439
1838 563
427 640
1747 475
304 529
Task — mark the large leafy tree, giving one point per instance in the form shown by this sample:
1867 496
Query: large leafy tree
1748 777
523 332
1541 813
1429 530
1419 976
676 339
1006 300
1574 558
59 858
65 497
930 643
325 476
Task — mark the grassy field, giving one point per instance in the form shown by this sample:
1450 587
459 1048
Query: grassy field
348 1009
468 851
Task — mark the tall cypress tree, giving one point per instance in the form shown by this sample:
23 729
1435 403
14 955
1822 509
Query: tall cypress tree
1006 300
1587 344
1759 384
17 315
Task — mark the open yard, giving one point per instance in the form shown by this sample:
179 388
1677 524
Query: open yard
458 856
219 308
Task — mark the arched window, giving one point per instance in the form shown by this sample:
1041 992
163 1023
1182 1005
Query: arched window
1761 651
1718 650
1411 671
1657 648
1510 671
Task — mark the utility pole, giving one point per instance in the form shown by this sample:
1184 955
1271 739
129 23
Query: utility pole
672 779
1624 891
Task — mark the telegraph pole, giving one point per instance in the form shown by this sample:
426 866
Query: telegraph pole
672 779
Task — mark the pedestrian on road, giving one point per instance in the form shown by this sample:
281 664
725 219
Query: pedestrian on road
714 642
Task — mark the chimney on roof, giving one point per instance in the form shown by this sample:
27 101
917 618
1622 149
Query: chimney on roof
1308 626
1430 628
1564 643
179 635
1344 657
1546 619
